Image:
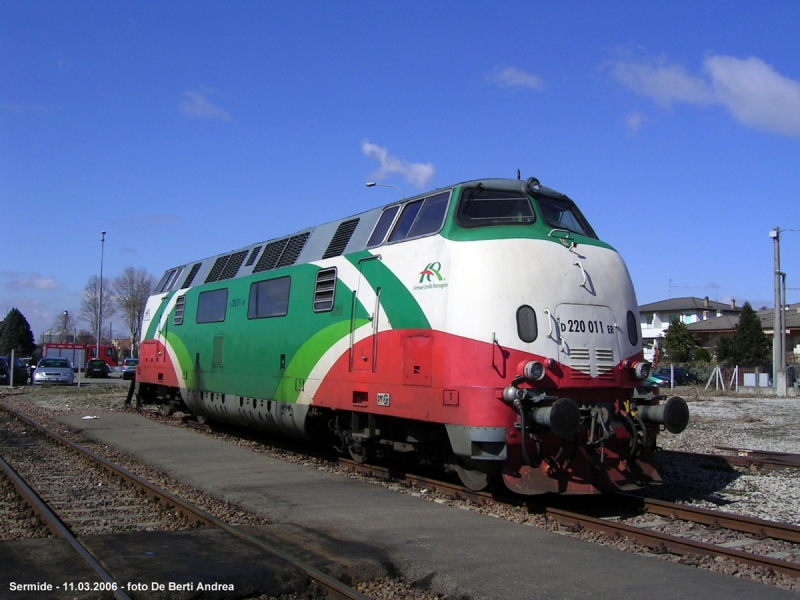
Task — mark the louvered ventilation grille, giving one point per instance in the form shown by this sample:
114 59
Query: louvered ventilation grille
216 270
293 249
232 267
324 290
269 258
581 362
191 276
605 363
602 366
339 242
180 304
253 256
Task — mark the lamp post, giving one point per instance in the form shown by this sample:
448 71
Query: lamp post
778 329
100 296
373 184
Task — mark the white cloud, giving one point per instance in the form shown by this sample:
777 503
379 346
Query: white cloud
755 94
416 174
28 281
513 77
634 121
663 83
751 90
197 104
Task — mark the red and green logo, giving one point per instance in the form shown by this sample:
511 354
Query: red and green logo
432 270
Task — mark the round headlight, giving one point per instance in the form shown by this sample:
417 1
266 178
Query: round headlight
642 370
534 370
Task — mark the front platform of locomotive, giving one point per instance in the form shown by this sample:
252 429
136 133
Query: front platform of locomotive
566 352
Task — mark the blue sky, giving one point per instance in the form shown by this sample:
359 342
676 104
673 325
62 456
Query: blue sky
187 129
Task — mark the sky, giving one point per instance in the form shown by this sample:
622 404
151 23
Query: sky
187 129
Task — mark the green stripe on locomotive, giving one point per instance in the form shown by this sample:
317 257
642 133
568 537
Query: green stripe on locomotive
273 357
253 356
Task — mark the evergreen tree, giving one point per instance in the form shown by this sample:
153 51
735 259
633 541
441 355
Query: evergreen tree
753 344
16 335
679 342
749 346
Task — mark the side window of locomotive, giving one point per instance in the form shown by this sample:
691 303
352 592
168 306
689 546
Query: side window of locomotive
563 214
431 216
269 298
379 233
211 306
527 327
481 206
405 221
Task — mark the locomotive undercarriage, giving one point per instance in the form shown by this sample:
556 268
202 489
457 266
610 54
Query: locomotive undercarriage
555 441
583 446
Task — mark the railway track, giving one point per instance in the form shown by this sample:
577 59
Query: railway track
662 527
657 526
75 494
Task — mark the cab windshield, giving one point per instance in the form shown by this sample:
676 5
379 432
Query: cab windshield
561 213
481 206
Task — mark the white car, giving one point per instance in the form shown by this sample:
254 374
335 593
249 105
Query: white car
54 370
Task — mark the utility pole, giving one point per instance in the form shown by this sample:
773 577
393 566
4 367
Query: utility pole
778 329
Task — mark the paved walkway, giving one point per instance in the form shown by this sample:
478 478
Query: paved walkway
458 552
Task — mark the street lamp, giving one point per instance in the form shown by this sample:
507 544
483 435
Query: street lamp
100 297
373 184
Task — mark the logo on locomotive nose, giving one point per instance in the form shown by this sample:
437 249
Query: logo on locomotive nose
430 271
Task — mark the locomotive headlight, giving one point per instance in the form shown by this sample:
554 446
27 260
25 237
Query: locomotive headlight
534 370
642 370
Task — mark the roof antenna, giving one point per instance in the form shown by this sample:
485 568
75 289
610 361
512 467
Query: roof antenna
518 174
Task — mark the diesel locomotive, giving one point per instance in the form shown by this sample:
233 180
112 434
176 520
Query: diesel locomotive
483 327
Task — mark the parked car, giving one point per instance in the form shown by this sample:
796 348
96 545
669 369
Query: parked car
20 371
129 368
682 376
96 368
54 370
658 380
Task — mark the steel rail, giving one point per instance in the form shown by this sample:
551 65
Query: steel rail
762 458
662 542
57 527
754 460
742 524
333 587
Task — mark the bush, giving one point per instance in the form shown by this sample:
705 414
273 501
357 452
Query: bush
701 355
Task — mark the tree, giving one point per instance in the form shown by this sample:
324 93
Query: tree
63 326
16 335
131 290
91 300
679 342
749 346
702 355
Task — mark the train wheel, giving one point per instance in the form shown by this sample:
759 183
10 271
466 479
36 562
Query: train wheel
477 475
167 408
359 452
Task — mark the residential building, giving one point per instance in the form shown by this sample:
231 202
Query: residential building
656 317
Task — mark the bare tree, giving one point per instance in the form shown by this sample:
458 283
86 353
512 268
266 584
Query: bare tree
131 290
64 327
91 300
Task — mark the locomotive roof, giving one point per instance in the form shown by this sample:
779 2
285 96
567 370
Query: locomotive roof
335 238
